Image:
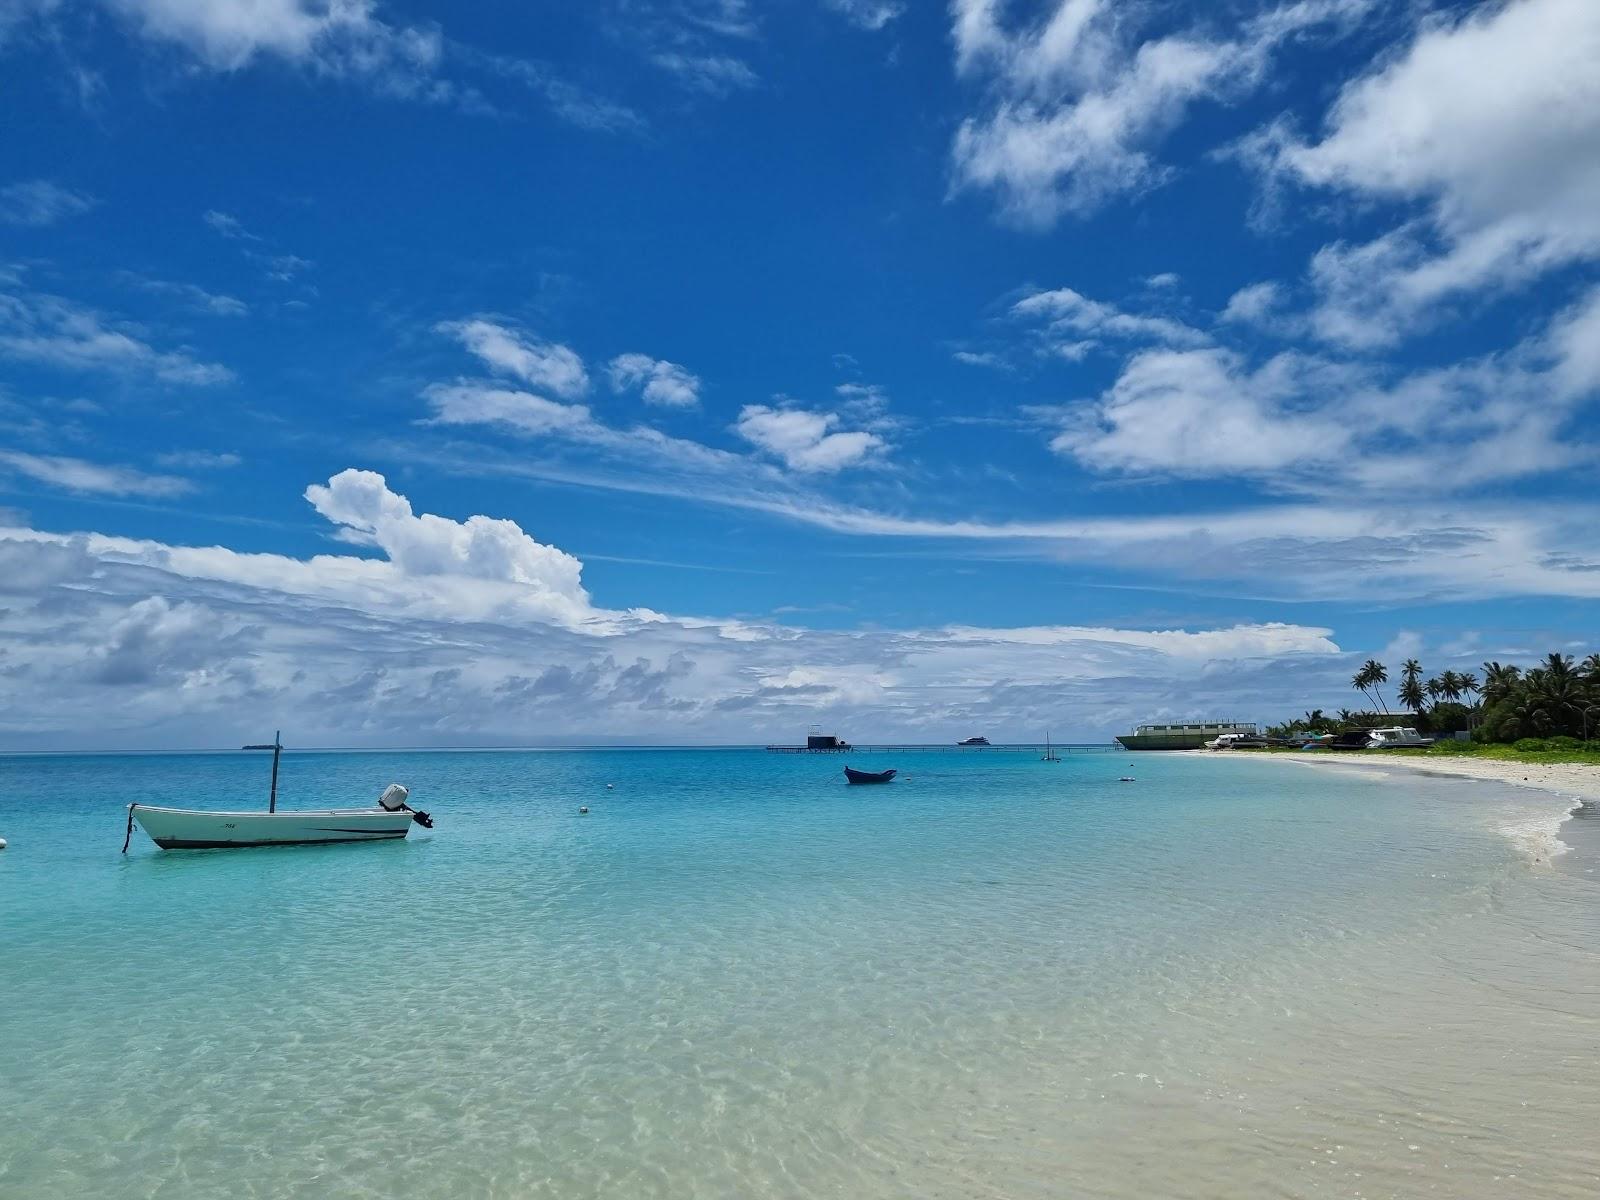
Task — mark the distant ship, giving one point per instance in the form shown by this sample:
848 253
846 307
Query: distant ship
974 741
1183 737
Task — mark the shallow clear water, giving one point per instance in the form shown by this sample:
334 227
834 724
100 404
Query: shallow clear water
736 977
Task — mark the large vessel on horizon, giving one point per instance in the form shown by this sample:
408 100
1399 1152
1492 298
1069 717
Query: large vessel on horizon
1190 736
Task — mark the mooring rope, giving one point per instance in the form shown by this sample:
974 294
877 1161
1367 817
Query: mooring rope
128 836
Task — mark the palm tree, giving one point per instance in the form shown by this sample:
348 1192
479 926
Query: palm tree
1363 680
1450 685
1590 668
1376 673
1468 682
1314 718
1499 682
1411 685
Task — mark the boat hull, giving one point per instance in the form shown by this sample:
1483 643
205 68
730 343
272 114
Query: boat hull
853 776
191 829
1164 741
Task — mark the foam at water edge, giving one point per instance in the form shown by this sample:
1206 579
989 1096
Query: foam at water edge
1537 836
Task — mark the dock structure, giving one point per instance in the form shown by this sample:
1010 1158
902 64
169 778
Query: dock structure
948 748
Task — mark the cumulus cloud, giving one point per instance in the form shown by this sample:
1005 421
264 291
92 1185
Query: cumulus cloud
35 203
1201 413
1077 104
472 631
367 512
803 440
660 382
1505 176
507 351
1307 421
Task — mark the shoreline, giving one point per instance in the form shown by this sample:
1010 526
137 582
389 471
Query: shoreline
1576 783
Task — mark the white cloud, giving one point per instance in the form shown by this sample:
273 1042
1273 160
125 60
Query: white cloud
199 460
547 365
713 74
1491 124
77 475
1304 421
338 38
1255 304
868 14
663 383
477 548
228 225
49 330
1200 413
1076 107
981 358
467 403
472 631
803 440
39 202
1077 324
189 295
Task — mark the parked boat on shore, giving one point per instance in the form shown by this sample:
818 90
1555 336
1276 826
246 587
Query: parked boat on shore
1184 737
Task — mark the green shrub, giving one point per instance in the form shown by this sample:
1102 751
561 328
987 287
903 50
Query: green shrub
1563 743
1530 745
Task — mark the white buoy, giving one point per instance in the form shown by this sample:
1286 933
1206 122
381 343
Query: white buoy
609 786
2 843
583 809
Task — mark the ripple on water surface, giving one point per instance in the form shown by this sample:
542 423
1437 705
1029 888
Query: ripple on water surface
991 978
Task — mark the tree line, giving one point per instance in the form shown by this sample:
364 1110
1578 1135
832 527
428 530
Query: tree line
1555 698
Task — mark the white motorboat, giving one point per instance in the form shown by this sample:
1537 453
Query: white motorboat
194 829
200 829
1397 737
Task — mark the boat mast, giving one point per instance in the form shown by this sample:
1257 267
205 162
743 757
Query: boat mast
277 749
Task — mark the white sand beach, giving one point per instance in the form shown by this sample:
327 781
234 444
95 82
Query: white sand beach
1580 780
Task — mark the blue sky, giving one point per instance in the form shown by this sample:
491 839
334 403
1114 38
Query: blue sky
693 370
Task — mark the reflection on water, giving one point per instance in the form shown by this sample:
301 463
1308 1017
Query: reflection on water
736 977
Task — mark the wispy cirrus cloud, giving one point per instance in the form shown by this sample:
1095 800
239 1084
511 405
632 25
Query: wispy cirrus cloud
52 331
35 203
871 15
79 475
1075 324
190 296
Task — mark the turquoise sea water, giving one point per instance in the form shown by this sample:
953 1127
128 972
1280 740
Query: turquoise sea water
736 977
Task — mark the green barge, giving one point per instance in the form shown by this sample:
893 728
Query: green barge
1183 737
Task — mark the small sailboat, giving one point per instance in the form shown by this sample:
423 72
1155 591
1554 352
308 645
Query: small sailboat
197 829
1049 754
855 776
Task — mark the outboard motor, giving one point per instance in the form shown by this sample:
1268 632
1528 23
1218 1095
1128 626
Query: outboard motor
394 800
